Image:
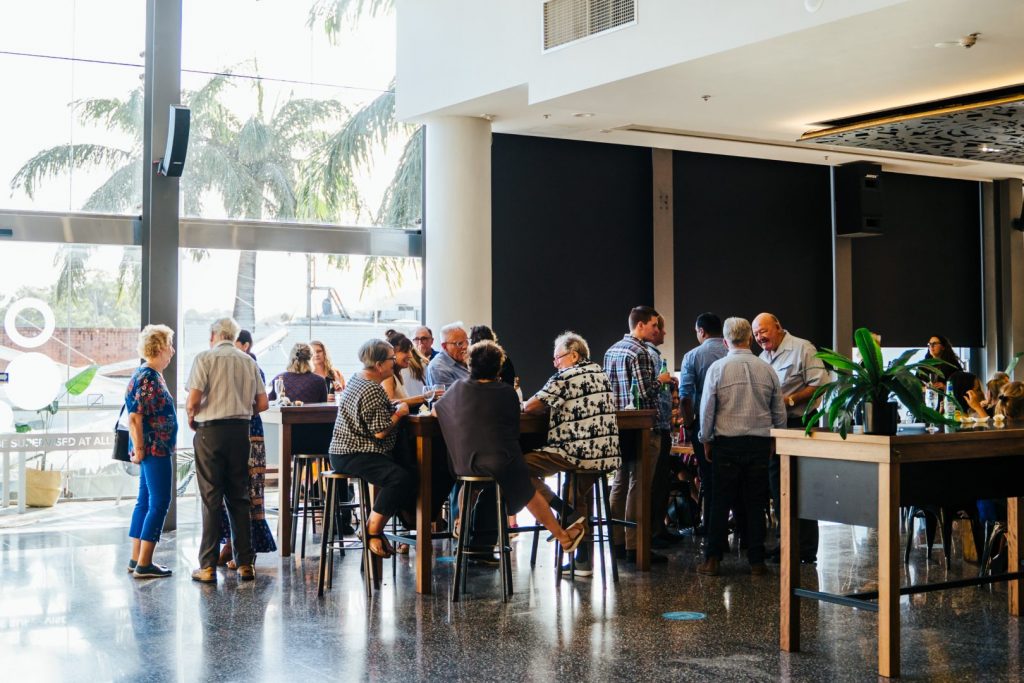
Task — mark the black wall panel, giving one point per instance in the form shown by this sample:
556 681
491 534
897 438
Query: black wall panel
571 245
923 276
752 235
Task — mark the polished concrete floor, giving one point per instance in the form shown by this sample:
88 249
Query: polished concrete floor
70 612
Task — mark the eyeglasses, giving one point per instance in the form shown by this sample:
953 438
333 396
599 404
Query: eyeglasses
458 344
389 358
421 339
555 359
934 343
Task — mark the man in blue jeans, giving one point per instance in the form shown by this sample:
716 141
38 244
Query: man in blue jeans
740 404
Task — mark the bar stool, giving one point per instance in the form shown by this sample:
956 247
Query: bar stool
331 538
602 504
306 501
462 550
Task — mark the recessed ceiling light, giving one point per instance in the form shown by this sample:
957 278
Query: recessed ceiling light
583 115
813 5
986 148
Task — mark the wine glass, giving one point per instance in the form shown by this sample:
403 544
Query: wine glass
430 393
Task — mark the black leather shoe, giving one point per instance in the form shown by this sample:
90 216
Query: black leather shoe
485 560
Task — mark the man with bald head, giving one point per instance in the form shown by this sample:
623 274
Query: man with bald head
800 374
424 341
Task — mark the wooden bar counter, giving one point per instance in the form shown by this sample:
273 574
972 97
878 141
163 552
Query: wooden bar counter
864 480
633 424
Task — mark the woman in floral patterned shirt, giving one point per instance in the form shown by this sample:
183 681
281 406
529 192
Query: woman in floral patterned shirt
153 430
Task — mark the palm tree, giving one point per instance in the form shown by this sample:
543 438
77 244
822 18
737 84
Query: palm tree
252 166
373 125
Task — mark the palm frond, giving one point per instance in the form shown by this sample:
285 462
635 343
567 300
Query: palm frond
71 281
125 115
403 200
333 13
121 192
255 142
61 159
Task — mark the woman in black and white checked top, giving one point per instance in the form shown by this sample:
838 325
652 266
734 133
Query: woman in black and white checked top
364 438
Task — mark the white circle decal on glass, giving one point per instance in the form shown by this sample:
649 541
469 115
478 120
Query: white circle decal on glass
10 320
6 418
34 381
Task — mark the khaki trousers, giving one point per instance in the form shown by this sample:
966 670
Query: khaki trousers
542 464
625 494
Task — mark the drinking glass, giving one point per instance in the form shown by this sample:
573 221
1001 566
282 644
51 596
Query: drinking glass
279 387
430 393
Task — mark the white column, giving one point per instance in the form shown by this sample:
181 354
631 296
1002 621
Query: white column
457 230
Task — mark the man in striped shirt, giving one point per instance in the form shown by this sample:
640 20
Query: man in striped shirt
224 389
740 404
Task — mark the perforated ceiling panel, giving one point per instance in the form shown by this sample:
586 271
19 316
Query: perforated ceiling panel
987 131
566 21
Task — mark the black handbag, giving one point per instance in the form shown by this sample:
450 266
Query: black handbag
121 441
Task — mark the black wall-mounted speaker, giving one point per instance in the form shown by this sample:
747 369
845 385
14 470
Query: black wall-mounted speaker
173 162
857 197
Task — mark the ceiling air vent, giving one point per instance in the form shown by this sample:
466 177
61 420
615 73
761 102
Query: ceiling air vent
566 21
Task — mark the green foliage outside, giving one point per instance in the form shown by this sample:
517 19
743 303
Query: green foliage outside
97 302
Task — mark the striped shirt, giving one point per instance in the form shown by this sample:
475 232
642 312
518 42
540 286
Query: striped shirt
741 398
627 359
229 381
364 411
582 427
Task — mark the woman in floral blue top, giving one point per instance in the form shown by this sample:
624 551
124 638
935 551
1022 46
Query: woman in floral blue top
153 430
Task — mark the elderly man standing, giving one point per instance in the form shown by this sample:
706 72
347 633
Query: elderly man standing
625 362
449 366
224 390
582 430
424 341
800 373
691 387
740 404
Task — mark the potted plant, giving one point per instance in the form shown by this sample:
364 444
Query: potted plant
869 384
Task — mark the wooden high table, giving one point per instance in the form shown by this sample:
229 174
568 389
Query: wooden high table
864 480
633 424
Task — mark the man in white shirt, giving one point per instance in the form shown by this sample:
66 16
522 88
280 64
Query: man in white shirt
800 374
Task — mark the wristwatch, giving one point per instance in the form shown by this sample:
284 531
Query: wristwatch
790 402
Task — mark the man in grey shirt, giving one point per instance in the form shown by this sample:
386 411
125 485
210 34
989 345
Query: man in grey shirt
740 404
691 386
800 373
224 389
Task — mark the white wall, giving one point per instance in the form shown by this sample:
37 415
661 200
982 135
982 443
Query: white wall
452 51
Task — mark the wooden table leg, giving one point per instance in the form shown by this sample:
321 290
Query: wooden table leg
284 492
888 570
1014 522
643 504
789 557
424 547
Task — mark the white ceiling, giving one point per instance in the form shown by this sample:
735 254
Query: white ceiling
763 96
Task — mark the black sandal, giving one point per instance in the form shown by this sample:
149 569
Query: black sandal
386 550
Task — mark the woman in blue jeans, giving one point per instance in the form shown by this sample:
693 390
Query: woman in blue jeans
153 429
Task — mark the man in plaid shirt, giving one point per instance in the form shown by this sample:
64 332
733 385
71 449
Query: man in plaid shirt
626 360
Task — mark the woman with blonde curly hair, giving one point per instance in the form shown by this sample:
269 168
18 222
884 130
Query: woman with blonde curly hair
322 367
152 430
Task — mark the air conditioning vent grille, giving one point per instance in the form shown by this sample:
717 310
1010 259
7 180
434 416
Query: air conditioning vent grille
566 21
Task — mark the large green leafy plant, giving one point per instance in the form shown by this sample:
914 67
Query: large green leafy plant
871 381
